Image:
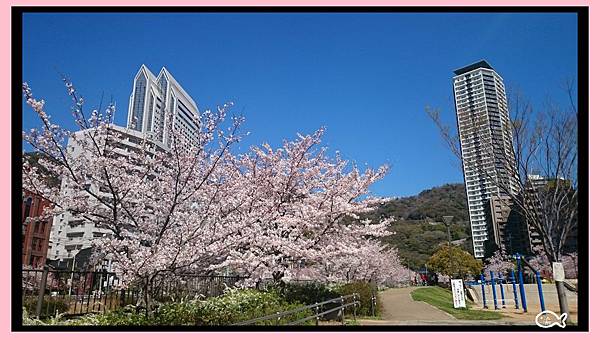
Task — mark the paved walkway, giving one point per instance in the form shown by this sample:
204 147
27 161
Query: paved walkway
454 322
398 305
400 309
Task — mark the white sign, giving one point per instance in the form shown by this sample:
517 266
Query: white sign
558 273
458 293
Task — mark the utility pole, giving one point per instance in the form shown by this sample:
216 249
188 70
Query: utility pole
447 221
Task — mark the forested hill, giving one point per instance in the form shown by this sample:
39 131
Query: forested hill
418 230
432 204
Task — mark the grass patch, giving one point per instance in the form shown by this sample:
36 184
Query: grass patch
442 299
352 322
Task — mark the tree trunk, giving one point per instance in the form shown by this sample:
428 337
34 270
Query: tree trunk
147 298
562 298
278 279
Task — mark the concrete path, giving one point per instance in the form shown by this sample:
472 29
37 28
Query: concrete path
400 309
368 322
398 306
533 301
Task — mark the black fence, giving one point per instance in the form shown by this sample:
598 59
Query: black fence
47 292
266 283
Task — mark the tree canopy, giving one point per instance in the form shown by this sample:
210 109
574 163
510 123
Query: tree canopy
454 261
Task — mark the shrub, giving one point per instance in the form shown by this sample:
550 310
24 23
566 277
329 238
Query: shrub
50 306
234 306
365 291
28 320
58 319
240 305
308 294
184 312
311 293
121 317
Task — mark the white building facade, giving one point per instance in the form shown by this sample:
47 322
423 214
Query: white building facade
486 143
158 105
69 233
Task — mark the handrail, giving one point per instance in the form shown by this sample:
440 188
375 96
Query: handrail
302 320
280 315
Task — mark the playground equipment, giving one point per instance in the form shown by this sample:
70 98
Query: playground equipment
501 281
500 285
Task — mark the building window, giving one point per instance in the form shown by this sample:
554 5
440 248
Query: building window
162 84
139 97
27 209
150 112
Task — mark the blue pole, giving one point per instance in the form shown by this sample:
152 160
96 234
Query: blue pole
494 290
501 290
483 291
513 279
539 284
521 286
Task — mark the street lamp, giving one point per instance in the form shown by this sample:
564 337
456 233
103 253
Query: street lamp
447 220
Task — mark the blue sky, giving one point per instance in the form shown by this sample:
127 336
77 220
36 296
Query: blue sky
366 77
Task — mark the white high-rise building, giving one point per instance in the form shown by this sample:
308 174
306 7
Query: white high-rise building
486 143
70 233
154 103
158 105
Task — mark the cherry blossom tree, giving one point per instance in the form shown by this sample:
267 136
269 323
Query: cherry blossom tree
166 211
542 264
300 205
570 264
196 207
372 262
499 262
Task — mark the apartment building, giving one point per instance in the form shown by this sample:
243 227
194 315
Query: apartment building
486 144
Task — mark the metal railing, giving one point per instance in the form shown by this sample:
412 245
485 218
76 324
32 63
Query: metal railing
47 292
318 309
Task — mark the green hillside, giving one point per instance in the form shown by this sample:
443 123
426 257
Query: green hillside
449 199
418 229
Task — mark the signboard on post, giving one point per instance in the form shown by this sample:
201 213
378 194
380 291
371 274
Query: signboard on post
458 293
558 272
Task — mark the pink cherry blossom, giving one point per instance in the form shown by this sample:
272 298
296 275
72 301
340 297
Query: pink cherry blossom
198 208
